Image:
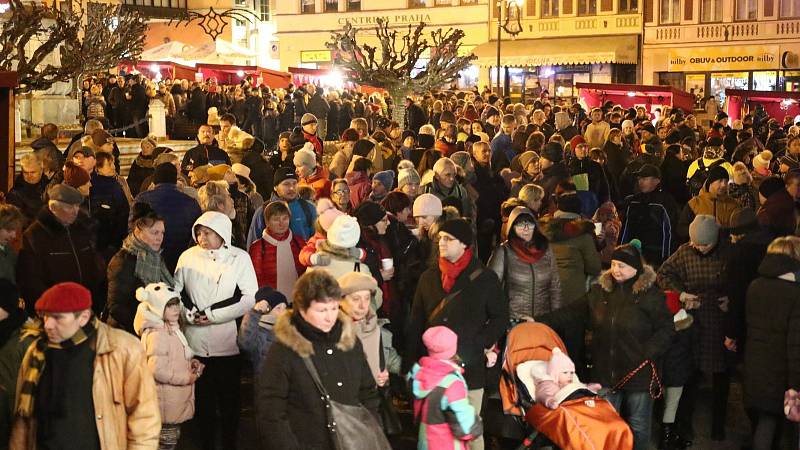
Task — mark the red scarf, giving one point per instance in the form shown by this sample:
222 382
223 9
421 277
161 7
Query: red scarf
278 237
451 271
528 253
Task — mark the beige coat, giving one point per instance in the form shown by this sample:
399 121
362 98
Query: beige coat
125 402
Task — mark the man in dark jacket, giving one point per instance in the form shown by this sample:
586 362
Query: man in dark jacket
415 116
459 293
300 103
109 206
581 163
57 247
46 143
205 153
650 216
138 106
29 186
319 107
178 210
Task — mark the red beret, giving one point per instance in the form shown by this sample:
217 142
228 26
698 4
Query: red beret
64 297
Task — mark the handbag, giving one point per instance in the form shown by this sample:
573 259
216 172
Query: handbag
389 418
351 427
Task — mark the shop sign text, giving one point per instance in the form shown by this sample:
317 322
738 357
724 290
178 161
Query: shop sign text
708 59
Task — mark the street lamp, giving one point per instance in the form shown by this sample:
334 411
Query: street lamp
512 25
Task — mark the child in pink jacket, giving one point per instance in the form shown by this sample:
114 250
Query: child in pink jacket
560 375
446 419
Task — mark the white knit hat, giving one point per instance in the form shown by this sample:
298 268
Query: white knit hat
344 232
762 160
427 205
305 157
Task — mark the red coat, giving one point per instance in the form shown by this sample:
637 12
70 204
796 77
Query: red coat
265 260
320 181
360 187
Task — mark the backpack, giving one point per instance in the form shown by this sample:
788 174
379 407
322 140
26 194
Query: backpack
698 178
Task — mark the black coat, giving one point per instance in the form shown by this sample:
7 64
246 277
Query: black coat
141 168
772 354
29 198
597 177
415 118
478 315
52 253
652 218
261 172
122 284
290 414
201 155
742 268
617 158
673 177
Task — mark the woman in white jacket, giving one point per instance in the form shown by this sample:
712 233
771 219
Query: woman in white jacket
218 285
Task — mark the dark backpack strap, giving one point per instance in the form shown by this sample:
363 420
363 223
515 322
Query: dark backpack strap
237 295
448 298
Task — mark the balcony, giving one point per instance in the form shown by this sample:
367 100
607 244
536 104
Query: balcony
722 32
565 26
157 12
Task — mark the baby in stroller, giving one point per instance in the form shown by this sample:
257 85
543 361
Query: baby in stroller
567 412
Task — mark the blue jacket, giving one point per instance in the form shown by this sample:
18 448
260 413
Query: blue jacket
254 340
179 212
110 209
301 224
502 143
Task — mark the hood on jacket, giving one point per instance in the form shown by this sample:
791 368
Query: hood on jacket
429 374
557 230
287 334
518 211
218 222
153 299
646 279
42 142
774 265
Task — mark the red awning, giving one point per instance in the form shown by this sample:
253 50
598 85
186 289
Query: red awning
232 74
167 69
629 95
777 104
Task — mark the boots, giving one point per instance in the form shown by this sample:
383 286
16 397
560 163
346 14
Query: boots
671 439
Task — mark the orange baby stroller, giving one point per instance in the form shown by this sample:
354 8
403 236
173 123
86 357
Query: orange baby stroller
585 423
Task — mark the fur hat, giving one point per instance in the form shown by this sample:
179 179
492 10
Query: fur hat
355 282
213 117
155 297
762 160
217 173
63 298
239 139
704 230
559 363
427 205
344 232
441 342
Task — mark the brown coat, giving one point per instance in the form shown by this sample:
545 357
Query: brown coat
125 402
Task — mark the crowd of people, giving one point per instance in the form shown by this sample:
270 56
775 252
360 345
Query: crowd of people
356 265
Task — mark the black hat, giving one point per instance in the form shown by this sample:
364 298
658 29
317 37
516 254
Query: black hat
716 173
647 126
630 254
721 115
491 111
715 141
165 173
283 174
408 133
447 116
674 137
296 139
369 213
66 194
362 147
770 186
459 229
648 170
569 203
426 141
553 152
273 297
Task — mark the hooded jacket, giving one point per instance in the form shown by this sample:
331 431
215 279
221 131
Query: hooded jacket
220 283
572 242
778 214
721 206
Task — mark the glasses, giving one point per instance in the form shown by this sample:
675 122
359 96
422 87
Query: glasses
524 226
342 192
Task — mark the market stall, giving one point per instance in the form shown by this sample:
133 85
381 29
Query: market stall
327 78
164 69
776 104
232 74
632 95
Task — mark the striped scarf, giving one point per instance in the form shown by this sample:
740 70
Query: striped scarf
37 359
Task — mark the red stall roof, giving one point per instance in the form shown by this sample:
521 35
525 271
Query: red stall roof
680 99
762 96
229 74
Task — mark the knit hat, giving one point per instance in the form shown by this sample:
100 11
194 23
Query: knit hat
715 174
369 213
648 127
307 119
553 152
362 147
770 186
526 157
741 174
344 232
427 205
630 254
326 218
491 111
648 170
64 298
349 135
704 230
305 157
405 164
720 115
386 178
569 203
742 220
407 176
356 281
559 363
217 173
762 160
273 297
447 116
65 193
165 173
408 133
74 175
461 159
441 342
283 174
459 229
101 137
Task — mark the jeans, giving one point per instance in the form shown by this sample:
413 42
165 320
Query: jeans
637 409
475 397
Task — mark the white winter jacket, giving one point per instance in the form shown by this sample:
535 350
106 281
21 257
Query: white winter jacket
210 279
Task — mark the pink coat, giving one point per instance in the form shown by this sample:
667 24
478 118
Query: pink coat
172 371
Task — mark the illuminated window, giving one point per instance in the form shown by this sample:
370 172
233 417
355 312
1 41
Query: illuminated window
354 5
628 5
331 5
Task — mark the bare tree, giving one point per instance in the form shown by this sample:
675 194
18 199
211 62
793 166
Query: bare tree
395 64
46 45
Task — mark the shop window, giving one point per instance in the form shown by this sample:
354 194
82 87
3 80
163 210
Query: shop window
696 85
331 5
354 5
307 7
674 79
765 80
263 9
416 3
728 80
587 7
549 8
628 5
746 9
443 3
711 11
790 8
670 11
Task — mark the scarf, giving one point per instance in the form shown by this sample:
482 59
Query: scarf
150 268
36 361
337 252
525 251
285 270
451 270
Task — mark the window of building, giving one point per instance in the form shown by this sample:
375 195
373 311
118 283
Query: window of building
307 7
790 8
443 3
354 5
239 3
746 9
670 11
331 5
549 8
628 5
263 9
711 11
416 3
469 2
587 7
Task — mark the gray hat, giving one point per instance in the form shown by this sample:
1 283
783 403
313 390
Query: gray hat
307 119
704 230
65 193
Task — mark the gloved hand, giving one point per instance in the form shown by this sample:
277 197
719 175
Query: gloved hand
320 259
690 301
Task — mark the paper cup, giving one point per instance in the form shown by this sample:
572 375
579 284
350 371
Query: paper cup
387 263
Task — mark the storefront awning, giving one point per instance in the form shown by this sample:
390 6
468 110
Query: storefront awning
559 51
